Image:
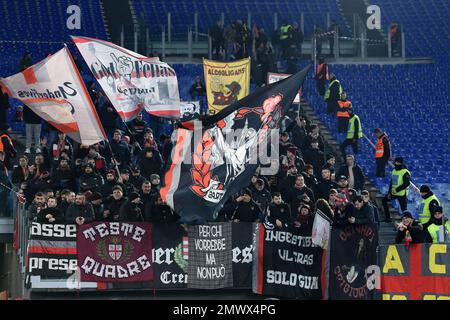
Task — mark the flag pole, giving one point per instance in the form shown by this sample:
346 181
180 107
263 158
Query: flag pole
114 156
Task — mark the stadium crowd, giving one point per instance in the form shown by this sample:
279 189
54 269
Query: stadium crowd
64 182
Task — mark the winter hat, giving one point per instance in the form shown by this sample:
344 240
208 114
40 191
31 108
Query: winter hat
407 214
89 165
424 188
133 196
438 209
113 172
124 171
330 156
399 160
154 176
341 198
342 178
292 149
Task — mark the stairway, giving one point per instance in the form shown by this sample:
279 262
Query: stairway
378 46
117 13
386 232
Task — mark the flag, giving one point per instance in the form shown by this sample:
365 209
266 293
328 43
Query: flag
226 82
207 167
53 89
321 230
275 77
131 81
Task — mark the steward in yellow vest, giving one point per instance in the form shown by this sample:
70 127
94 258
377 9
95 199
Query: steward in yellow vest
437 230
398 187
333 94
354 133
429 204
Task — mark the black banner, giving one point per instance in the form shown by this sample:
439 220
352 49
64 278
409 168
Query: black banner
243 234
352 253
52 250
288 264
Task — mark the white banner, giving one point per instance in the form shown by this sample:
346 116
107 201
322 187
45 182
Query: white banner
54 90
321 230
130 80
275 77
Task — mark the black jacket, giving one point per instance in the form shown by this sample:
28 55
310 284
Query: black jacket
416 232
246 211
114 206
341 216
357 174
280 212
132 212
29 116
55 212
295 197
364 215
63 179
160 213
151 165
316 158
86 211
298 134
323 189
91 182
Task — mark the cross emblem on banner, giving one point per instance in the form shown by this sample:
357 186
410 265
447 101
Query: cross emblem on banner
115 251
416 284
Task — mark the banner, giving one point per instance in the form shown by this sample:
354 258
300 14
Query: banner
321 230
131 81
226 82
214 158
169 256
353 252
210 256
275 77
242 239
286 264
189 110
54 90
115 252
415 272
52 250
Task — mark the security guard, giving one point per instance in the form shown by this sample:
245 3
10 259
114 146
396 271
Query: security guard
285 33
438 228
333 94
354 133
342 113
383 152
429 204
321 76
398 187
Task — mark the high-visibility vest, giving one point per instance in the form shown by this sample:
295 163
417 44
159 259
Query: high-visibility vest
343 104
351 127
285 32
2 147
424 211
319 71
437 232
379 150
397 181
327 93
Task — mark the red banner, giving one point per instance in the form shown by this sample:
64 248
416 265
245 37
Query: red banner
415 272
115 252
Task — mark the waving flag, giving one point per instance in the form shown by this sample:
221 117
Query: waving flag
53 89
130 80
213 162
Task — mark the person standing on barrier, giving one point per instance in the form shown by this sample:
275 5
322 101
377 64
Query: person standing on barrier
6 146
398 187
342 113
383 152
333 94
409 230
429 204
321 76
437 230
354 133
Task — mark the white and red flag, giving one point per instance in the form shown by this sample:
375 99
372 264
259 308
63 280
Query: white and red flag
54 90
131 81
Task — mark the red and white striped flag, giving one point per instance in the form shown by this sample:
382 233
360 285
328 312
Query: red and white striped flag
53 89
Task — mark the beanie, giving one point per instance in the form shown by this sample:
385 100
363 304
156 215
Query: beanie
424 189
133 196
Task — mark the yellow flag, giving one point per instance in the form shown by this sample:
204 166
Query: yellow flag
226 82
